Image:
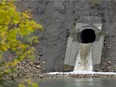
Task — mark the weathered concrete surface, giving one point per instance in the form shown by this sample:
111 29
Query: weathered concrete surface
71 52
58 16
97 50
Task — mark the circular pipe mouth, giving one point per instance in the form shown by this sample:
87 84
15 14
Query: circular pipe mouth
87 36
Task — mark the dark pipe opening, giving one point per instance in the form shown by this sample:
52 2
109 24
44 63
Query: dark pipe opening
87 36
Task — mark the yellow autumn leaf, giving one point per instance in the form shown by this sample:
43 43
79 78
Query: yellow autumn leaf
21 85
25 15
0 56
4 48
40 27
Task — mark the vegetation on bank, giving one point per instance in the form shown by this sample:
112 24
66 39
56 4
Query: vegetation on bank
15 27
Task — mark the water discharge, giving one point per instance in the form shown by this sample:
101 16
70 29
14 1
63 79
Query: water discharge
84 58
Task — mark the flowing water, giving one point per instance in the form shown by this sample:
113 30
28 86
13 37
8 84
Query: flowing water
84 82
84 58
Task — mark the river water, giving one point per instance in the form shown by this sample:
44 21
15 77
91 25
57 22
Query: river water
84 82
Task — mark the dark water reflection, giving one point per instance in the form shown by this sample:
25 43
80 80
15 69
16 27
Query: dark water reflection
86 82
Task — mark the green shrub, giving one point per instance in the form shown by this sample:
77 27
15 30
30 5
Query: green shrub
13 26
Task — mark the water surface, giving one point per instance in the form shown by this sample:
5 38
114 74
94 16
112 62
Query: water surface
80 82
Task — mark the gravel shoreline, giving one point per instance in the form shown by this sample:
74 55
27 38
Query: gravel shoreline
74 75
58 76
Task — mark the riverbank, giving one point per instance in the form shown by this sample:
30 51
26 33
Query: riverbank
62 75
55 75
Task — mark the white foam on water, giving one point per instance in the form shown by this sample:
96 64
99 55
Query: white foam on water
104 73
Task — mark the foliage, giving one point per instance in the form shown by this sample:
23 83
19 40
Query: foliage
28 84
14 26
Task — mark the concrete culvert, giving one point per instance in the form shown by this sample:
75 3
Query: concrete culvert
87 36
